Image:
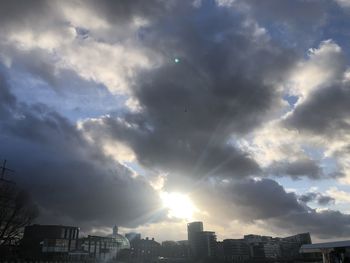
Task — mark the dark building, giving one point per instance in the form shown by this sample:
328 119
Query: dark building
276 248
173 249
303 238
104 248
206 244
144 250
291 245
132 236
192 231
235 250
49 241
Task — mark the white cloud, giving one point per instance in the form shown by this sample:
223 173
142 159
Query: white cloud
343 3
340 196
323 65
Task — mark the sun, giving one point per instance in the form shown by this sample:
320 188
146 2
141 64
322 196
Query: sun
179 205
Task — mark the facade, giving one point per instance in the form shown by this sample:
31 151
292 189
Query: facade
235 250
132 236
206 244
104 248
174 249
290 246
144 249
272 249
49 241
276 248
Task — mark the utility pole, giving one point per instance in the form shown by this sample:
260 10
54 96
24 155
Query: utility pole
5 186
4 169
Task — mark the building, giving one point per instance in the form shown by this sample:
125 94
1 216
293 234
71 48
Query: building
303 238
290 246
272 249
277 247
174 249
104 248
205 244
132 237
49 241
338 251
257 239
192 231
144 250
235 250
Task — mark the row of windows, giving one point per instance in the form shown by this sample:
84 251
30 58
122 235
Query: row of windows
69 233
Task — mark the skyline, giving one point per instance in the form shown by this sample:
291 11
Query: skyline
151 114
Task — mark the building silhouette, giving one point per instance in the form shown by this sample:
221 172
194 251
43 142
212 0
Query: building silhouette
202 244
235 250
49 241
192 232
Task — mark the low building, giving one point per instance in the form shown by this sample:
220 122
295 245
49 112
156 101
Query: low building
104 248
133 237
330 252
144 250
272 249
48 241
174 249
235 250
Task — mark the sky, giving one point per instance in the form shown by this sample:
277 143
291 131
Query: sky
151 114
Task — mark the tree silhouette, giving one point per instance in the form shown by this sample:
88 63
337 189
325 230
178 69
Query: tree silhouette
17 210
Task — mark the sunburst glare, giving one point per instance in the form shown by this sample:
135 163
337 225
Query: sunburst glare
179 205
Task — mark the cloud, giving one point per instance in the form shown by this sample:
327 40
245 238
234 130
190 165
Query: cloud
314 117
7 100
302 167
190 109
318 197
322 67
298 11
339 195
297 23
343 3
265 202
72 181
219 115
303 139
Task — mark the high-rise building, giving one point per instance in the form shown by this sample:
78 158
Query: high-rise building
192 231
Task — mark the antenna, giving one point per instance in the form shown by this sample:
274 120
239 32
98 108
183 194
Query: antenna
4 170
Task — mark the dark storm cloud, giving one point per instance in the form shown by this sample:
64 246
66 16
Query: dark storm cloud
267 201
321 199
325 112
221 86
72 181
324 224
299 168
263 199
